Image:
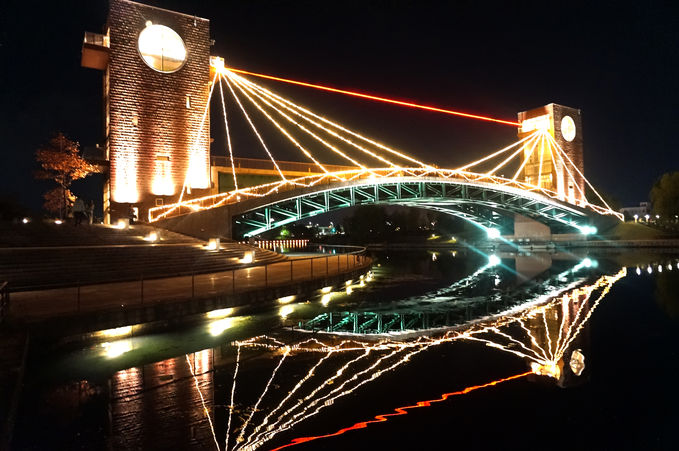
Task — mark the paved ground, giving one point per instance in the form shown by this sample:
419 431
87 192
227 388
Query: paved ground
33 305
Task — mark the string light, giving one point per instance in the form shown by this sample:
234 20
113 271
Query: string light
544 361
404 410
228 136
296 110
380 99
282 129
291 120
331 123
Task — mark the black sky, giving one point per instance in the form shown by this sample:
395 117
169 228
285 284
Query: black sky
617 61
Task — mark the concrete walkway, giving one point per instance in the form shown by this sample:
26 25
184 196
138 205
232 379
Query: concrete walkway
36 305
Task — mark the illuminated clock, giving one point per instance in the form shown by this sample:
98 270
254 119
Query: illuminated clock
568 128
161 48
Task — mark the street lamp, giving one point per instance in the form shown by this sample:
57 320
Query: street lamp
647 217
636 218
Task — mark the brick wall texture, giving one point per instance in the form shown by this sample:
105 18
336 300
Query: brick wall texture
152 132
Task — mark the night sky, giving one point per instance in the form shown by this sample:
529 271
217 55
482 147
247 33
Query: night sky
617 61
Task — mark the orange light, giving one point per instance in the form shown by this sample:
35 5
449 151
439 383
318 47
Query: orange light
402 411
380 99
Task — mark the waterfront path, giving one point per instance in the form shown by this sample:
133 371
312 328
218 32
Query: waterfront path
68 301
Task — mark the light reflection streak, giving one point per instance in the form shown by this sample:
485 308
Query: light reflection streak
544 358
202 401
404 410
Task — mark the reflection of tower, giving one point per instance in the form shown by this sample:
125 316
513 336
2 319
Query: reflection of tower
156 86
551 329
564 124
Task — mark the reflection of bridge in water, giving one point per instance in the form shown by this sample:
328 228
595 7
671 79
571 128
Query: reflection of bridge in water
477 295
543 331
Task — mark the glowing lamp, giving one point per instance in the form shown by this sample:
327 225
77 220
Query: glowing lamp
286 299
493 260
493 233
25 220
220 313
326 290
58 221
152 237
213 244
122 224
248 257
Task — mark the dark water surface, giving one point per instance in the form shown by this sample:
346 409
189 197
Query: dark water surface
541 351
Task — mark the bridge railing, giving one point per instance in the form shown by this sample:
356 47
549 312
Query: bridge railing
218 200
148 292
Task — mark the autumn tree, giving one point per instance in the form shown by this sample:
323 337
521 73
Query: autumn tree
60 161
665 195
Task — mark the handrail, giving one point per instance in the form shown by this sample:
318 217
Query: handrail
236 281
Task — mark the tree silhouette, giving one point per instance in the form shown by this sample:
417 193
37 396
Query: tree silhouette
665 196
60 161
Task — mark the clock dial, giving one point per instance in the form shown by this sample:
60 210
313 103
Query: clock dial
161 48
568 128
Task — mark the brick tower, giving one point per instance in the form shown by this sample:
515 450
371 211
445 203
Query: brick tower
564 124
156 66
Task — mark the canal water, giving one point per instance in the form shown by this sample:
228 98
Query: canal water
429 350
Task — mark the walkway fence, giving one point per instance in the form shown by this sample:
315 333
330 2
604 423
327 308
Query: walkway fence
88 298
4 301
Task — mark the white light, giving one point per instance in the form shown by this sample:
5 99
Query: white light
286 299
117 332
152 236
348 282
286 310
649 269
248 257
669 266
117 348
349 290
493 233
638 271
220 313
25 220
213 244
326 298
217 327
122 224
587 263
493 260
326 289
659 268
58 221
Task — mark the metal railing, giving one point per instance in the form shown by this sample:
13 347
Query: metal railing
107 296
290 166
4 301
96 39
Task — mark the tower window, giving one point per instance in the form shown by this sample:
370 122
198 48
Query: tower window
188 101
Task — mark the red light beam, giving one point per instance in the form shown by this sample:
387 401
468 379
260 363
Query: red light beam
402 411
377 98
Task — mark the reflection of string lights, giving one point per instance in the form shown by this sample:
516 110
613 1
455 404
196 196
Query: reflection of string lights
403 410
543 358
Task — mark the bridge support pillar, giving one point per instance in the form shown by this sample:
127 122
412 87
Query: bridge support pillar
528 228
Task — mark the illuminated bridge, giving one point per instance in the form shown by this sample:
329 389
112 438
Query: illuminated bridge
158 140
547 184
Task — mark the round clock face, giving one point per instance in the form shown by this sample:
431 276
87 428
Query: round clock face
568 128
161 48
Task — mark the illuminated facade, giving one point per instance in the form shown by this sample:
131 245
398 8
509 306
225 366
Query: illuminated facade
156 66
544 167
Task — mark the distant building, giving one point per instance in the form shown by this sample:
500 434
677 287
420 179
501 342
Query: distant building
642 210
